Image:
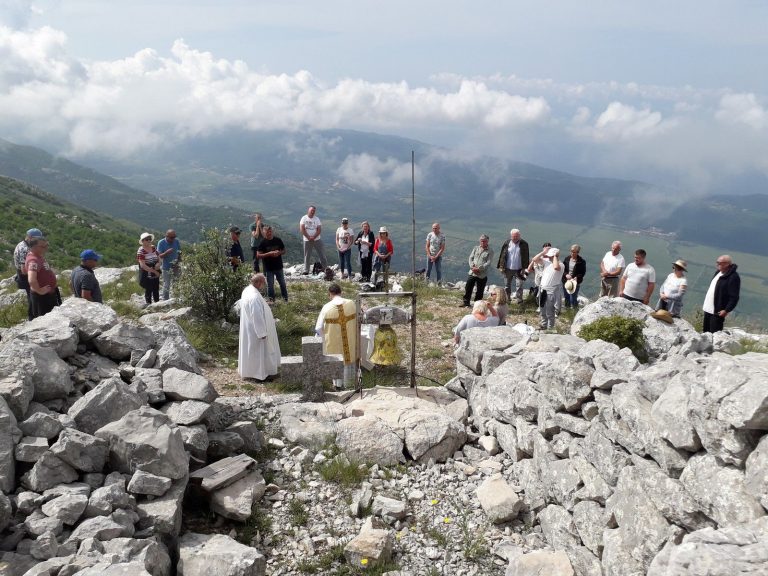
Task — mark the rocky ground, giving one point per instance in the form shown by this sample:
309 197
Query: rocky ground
543 454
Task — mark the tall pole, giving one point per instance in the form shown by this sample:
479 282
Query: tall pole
413 270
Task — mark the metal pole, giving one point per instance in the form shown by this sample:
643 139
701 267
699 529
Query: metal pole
413 270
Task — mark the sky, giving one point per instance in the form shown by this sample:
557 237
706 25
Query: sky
668 92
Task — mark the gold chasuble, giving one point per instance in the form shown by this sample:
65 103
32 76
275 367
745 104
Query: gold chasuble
340 330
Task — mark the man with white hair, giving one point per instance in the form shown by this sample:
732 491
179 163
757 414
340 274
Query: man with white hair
611 267
722 294
551 280
259 354
514 259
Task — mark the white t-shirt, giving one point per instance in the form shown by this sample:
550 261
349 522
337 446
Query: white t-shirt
673 286
551 278
709 299
612 263
310 226
345 237
637 280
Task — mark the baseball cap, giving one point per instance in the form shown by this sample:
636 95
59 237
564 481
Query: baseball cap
34 233
235 230
89 255
345 220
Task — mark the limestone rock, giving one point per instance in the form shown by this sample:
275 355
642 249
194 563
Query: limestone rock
90 318
589 519
720 490
47 472
105 500
109 401
183 385
186 413
68 508
734 550
389 509
541 562
44 547
432 435
490 444
368 439
642 530
163 514
499 501
195 441
558 527
670 416
42 425
99 528
217 555
756 472
310 424
606 457
746 406
370 548
47 372
253 438
81 451
635 412
145 439
146 483
236 500
147 553
52 330
475 342
508 394
30 448
594 487
16 390
119 341
176 351
562 379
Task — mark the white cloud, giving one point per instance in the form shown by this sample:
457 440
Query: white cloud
742 109
619 122
139 101
367 171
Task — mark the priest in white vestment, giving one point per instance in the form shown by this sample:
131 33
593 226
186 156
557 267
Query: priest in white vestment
259 355
337 324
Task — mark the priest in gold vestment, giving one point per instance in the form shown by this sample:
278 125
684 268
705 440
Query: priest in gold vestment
337 324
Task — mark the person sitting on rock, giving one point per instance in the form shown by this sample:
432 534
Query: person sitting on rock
481 317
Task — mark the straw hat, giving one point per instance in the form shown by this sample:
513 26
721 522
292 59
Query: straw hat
681 264
570 286
664 316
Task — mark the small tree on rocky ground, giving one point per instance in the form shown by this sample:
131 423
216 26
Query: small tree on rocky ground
208 283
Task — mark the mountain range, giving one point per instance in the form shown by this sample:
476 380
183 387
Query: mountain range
221 179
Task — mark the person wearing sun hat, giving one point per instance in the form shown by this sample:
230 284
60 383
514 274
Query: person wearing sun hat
673 289
551 282
84 282
149 268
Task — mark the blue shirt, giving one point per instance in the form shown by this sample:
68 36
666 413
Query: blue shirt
171 258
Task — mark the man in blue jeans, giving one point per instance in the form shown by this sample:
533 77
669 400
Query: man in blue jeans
270 253
169 250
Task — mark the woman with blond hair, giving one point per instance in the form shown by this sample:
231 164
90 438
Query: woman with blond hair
497 304
674 287
480 318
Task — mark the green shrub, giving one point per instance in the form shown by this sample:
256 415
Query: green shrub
208 283
624 332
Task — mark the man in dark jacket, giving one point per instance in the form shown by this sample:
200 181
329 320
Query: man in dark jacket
514 258
722 295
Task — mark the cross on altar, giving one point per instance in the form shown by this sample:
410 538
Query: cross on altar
311 369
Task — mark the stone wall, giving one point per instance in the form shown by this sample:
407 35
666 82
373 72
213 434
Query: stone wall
631 469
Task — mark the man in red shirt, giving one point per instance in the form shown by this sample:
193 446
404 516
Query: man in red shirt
42 279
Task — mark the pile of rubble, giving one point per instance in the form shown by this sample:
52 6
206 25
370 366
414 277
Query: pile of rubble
104 427
658 469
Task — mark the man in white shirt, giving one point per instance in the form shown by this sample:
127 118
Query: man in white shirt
551 280
259 353
638 280
344 240
611 267
310 228
435 247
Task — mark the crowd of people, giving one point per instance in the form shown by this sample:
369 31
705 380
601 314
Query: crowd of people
557 283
